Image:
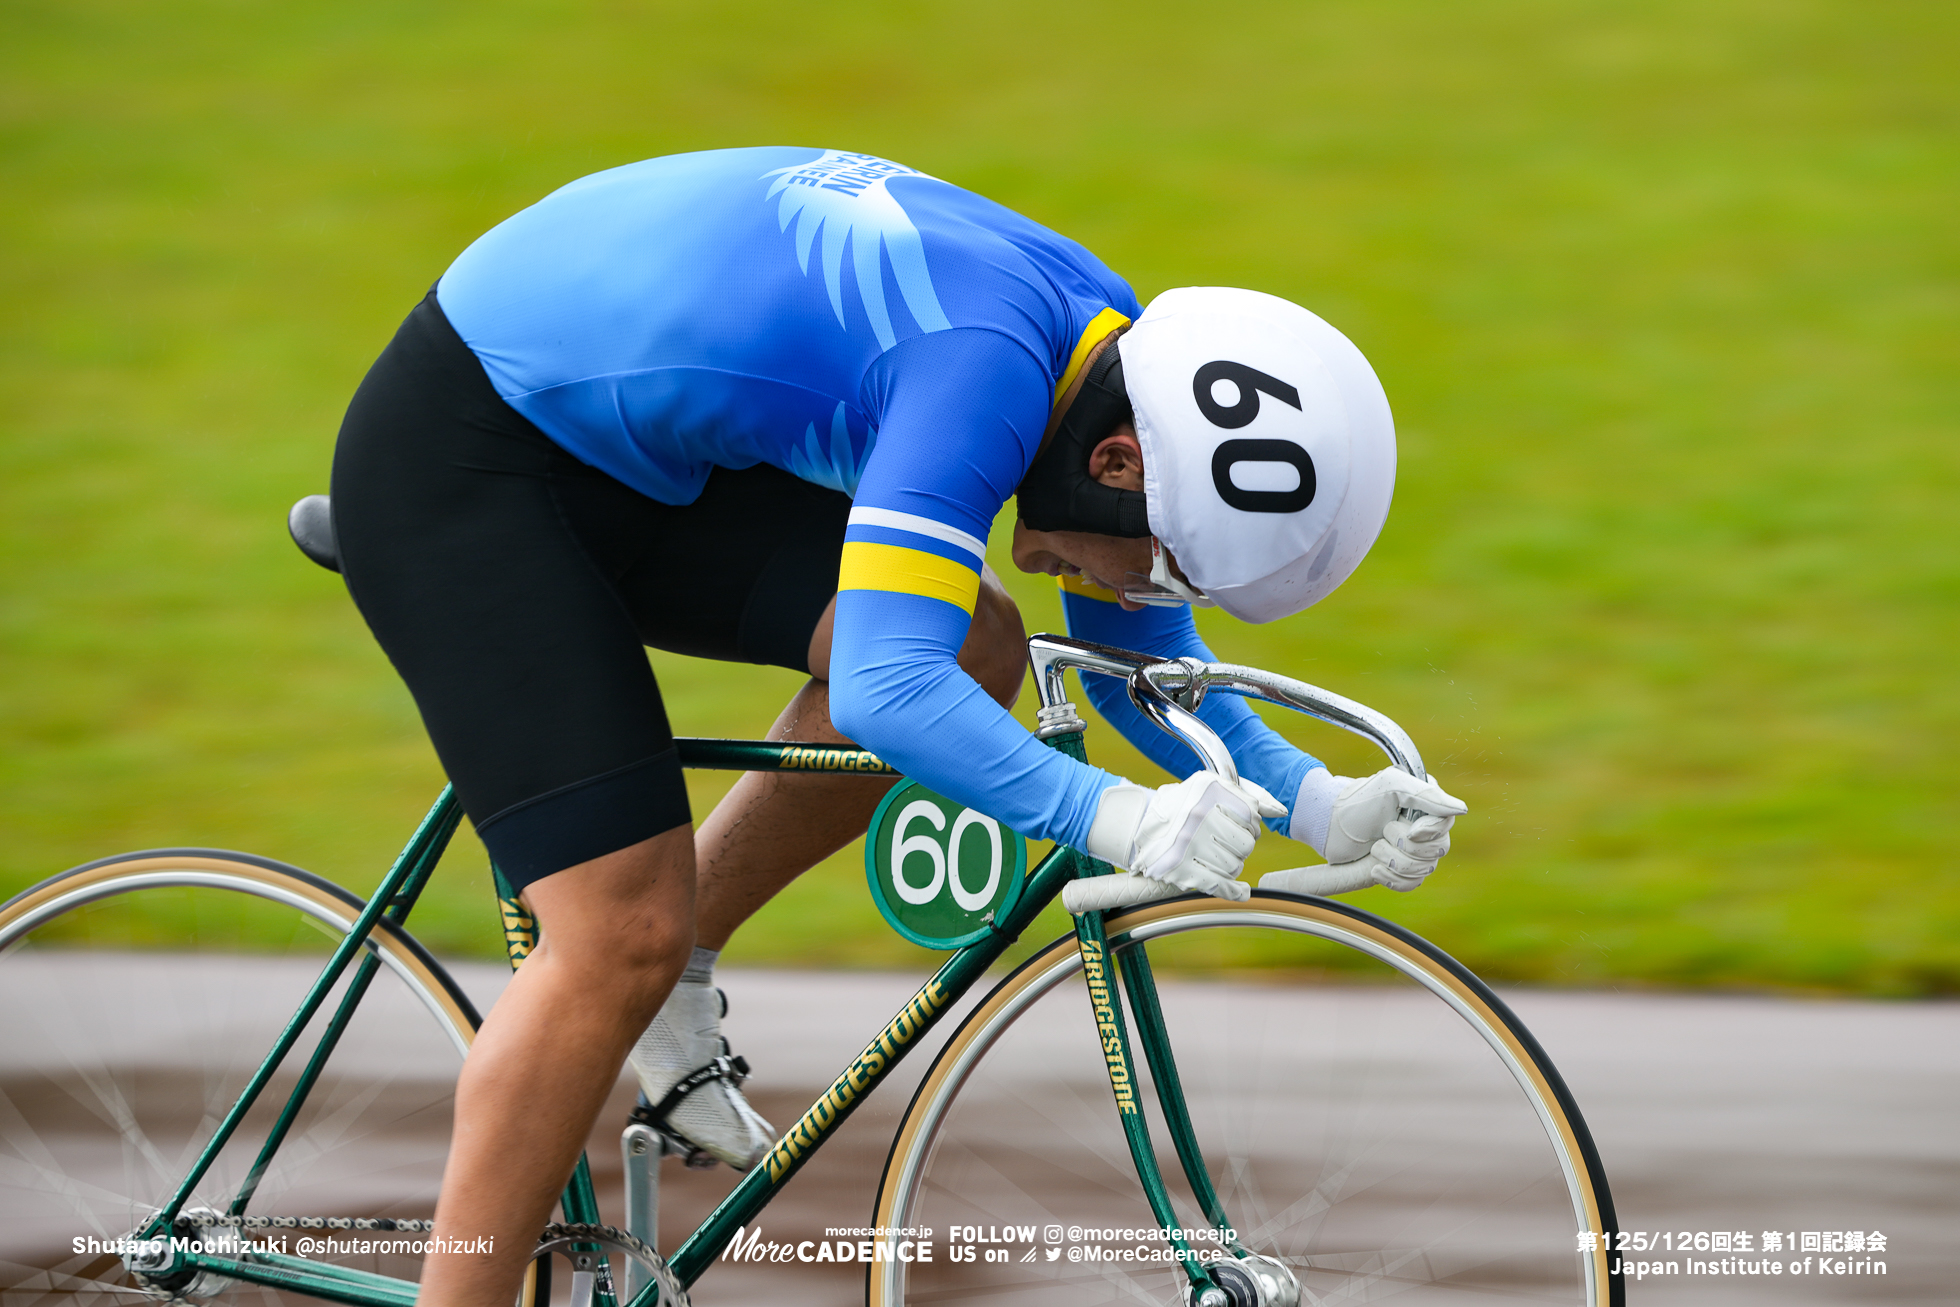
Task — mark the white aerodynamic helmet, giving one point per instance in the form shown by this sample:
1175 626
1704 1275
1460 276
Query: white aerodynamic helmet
1268 448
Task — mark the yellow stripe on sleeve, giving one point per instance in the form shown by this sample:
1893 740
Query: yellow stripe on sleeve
1087 589
869 566
1099 326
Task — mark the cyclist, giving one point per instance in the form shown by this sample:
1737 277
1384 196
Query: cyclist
764 405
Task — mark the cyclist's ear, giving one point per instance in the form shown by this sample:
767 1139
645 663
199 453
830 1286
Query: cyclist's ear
1117 460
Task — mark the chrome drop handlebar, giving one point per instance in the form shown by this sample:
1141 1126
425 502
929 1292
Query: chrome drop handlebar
1168 693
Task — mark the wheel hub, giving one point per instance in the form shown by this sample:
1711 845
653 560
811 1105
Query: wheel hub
1251 1281
154 1264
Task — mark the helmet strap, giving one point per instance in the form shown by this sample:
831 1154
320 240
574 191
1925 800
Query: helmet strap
1162 588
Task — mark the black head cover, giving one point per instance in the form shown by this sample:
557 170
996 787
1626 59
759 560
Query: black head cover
1058 494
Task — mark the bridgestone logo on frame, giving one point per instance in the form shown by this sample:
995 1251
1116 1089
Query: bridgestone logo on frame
858 760
857 1080
1094 971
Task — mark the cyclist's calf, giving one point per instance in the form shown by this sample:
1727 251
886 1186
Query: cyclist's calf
614 935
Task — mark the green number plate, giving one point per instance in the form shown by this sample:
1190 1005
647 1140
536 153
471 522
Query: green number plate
940 872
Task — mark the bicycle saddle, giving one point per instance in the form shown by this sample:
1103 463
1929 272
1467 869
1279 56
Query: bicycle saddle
311 523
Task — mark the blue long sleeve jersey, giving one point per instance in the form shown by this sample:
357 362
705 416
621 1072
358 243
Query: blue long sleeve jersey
863 326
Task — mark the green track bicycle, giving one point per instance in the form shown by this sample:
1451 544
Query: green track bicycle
188 1127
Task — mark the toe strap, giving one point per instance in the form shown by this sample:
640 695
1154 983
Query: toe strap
731 1070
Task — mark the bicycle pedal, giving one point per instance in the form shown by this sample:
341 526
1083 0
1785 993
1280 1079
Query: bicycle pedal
671 1143
692 1157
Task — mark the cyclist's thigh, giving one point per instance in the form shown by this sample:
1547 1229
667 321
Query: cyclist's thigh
743 574
521 656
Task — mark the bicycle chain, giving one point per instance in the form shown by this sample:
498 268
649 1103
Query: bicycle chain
206 1220
671 1292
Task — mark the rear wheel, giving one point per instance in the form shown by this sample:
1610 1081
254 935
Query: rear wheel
137 997
1388 1133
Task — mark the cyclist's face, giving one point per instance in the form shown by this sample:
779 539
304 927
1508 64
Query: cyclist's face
1106 560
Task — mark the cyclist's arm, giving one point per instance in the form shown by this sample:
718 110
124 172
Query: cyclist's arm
1261 754
960 414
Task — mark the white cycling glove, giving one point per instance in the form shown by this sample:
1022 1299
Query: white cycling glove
1194 834
1387 829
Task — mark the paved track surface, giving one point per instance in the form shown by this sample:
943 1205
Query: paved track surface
1711 1113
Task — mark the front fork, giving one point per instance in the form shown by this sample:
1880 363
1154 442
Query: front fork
1099 969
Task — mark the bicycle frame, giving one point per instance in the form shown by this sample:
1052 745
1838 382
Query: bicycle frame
1168 693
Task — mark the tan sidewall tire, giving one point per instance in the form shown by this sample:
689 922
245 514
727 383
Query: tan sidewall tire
911 1146
264 878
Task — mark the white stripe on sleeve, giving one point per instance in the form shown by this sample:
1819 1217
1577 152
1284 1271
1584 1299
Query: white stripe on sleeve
924 526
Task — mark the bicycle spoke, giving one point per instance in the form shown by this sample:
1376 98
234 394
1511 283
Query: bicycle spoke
122 1065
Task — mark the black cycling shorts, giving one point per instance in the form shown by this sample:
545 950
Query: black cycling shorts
513 587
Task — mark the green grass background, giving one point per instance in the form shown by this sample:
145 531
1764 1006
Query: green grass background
1664 295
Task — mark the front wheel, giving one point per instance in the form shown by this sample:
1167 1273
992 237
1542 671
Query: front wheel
1371 1115
137 996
